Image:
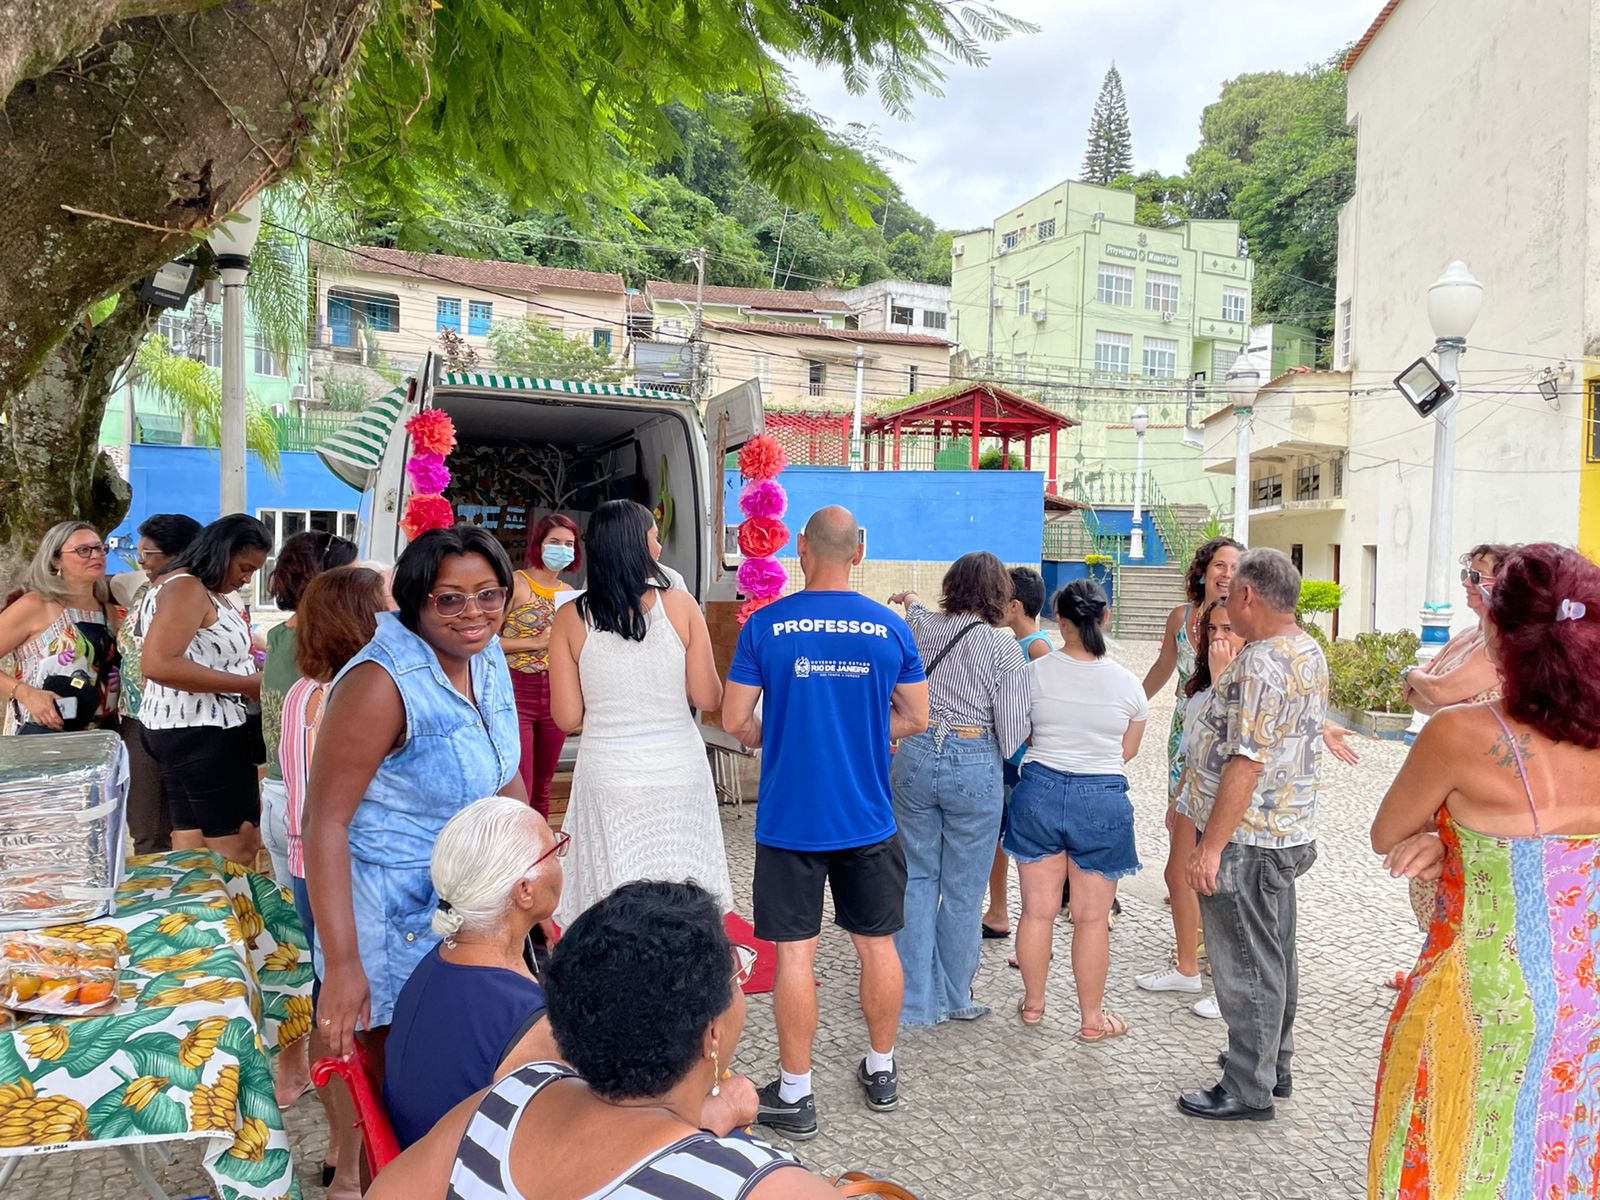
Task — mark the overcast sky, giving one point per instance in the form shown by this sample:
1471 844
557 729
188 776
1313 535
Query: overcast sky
1007 131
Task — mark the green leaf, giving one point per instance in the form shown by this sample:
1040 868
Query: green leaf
257 1097
163 1115
105 1109
274 1168
12 1065
157 1054
95 1040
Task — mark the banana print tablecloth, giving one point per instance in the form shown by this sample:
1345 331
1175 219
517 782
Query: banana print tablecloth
219 979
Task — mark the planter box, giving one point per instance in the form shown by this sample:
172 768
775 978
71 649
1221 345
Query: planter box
1388 726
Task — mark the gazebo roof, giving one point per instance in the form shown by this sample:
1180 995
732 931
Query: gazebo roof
1000 412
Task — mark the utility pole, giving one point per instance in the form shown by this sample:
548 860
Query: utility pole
855 428
988 358
697 377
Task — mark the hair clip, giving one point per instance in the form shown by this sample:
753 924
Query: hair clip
444 905
1572 610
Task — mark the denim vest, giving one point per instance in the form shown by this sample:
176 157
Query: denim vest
455 752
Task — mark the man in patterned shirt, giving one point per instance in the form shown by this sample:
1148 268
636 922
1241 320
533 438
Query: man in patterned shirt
1252 790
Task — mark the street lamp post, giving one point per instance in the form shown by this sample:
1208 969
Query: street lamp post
1244 381
1141 422
1453 304
231 242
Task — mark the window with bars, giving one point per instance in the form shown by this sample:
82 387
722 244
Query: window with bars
1266 492
480 313
448 315
600 339
1010 240
1161 292
1113 353
911 380
1116 284
1047 229
1337 475
1235 304
900 314
1161 357
816 378
1308 482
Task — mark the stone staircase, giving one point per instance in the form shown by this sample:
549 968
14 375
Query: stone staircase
1145 595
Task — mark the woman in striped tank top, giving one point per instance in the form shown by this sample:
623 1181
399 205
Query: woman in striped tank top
645 1013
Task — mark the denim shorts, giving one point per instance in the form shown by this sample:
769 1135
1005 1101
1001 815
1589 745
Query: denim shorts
1087 817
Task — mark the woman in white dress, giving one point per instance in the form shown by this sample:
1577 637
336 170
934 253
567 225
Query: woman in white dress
629 659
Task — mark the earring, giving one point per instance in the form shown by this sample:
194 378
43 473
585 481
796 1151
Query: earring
716 1073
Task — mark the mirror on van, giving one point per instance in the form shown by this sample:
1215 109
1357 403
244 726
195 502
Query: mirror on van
742 407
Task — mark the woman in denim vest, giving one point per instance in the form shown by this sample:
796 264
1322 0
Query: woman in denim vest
419 725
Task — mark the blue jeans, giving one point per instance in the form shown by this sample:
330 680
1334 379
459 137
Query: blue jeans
947 803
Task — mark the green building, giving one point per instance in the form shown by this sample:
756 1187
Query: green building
1067 297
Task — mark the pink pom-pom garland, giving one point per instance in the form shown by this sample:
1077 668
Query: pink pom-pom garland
752 606
429 475
762 578
762 457
764 498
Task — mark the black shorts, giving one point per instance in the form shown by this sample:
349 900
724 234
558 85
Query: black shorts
208 775
868 885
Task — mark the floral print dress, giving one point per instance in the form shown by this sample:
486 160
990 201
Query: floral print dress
78 643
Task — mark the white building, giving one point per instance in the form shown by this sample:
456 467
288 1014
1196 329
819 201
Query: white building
896 306
1478 131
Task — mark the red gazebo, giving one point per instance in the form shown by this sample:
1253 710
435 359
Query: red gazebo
979 411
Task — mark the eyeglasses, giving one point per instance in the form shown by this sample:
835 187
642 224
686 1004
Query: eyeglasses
1476 578
453 604
744 964
87 552
563 841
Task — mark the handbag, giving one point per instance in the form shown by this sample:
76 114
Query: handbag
859 1183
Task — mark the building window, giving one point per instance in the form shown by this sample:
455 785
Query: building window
268 363
448 315
1346 334
1112 353
1047 229
901 315
1161 292
1337 473
1116 284
1266 492
1019 367
1161 357
284 523
816 378
1024 295
911 380
763 365
1222 360
1297 555
479 314
1308 483
600 339
932 318
1009 241
640 327
1235 304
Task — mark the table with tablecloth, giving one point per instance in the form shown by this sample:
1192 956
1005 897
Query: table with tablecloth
219 978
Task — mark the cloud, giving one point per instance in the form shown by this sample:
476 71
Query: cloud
1007 131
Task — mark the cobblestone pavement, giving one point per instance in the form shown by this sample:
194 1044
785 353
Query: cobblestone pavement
992 1110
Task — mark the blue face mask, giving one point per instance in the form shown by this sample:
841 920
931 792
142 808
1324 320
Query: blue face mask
557 557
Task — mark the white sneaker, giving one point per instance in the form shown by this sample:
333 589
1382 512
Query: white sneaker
1168 981
1208 1009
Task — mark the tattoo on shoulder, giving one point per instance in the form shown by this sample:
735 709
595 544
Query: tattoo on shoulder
1504 751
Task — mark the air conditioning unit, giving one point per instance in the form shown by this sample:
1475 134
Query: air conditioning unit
1168 316
276 410
1038 316
958 251
1001 249
999 302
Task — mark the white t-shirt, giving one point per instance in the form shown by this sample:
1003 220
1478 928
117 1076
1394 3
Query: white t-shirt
1080 712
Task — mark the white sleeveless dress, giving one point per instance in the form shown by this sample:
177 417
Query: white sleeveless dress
643 802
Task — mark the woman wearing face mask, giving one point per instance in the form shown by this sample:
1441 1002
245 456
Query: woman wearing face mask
1461 673
553 548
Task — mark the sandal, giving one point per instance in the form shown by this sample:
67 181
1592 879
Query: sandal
1112 1026
1023 1010
1016 966
989 932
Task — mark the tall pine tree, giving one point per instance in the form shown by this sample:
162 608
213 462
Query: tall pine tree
1110 151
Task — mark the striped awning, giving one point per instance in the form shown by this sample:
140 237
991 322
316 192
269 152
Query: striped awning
354 452
572 387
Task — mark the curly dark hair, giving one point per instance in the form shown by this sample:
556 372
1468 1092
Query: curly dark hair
1547 665
634 985
1194 584
977 583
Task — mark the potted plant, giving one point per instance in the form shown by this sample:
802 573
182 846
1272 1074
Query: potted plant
1364 679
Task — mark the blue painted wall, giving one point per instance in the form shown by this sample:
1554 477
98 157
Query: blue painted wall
920 516
1058 574
1120 521
188 479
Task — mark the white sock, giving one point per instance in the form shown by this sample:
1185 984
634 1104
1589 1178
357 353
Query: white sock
793 1087
878 1063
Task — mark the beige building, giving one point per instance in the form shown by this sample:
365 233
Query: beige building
801 366
372 300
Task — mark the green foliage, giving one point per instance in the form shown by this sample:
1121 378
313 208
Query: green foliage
531 346
1319 596
1365 671
1097 560
345 395
1110 151
992 460
1160 200
1213 528
192 391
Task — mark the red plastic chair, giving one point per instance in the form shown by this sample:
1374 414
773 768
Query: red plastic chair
372 1119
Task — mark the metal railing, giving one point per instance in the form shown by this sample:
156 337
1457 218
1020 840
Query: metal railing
1117 488
309 431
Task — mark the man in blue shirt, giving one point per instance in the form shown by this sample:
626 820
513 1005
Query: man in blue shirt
838 677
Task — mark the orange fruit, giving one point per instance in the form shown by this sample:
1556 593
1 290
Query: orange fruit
63 991
24 987
21 952
95 992
103 961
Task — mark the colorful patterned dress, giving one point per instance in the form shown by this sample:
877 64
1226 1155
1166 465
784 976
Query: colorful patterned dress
1490 1081
1187 664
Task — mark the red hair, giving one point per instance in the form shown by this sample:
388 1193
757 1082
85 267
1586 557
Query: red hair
542 531
1547 667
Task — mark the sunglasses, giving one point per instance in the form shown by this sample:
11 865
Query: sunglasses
453 604
563 843
1476 578
744 964
87 552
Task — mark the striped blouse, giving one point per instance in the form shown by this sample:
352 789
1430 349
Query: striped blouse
302 713
982 682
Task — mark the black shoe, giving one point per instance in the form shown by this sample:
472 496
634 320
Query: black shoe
796 1120
882 1088
1282 1091
1116 911
1217 1105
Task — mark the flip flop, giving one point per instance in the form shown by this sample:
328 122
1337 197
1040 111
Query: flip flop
299 1096
1112 1026
1022 1013
989 933
1016 966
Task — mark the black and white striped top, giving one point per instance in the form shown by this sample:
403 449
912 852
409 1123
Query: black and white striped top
224 645
697 1167
982 682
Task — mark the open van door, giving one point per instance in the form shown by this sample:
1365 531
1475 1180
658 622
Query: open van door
735 416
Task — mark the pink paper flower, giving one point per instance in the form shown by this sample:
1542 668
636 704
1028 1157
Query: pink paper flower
752 606
762 537
424 513
762 578
429 475
762 457
432 432
764 498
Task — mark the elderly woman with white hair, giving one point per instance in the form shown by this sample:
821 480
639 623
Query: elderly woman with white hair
497 870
